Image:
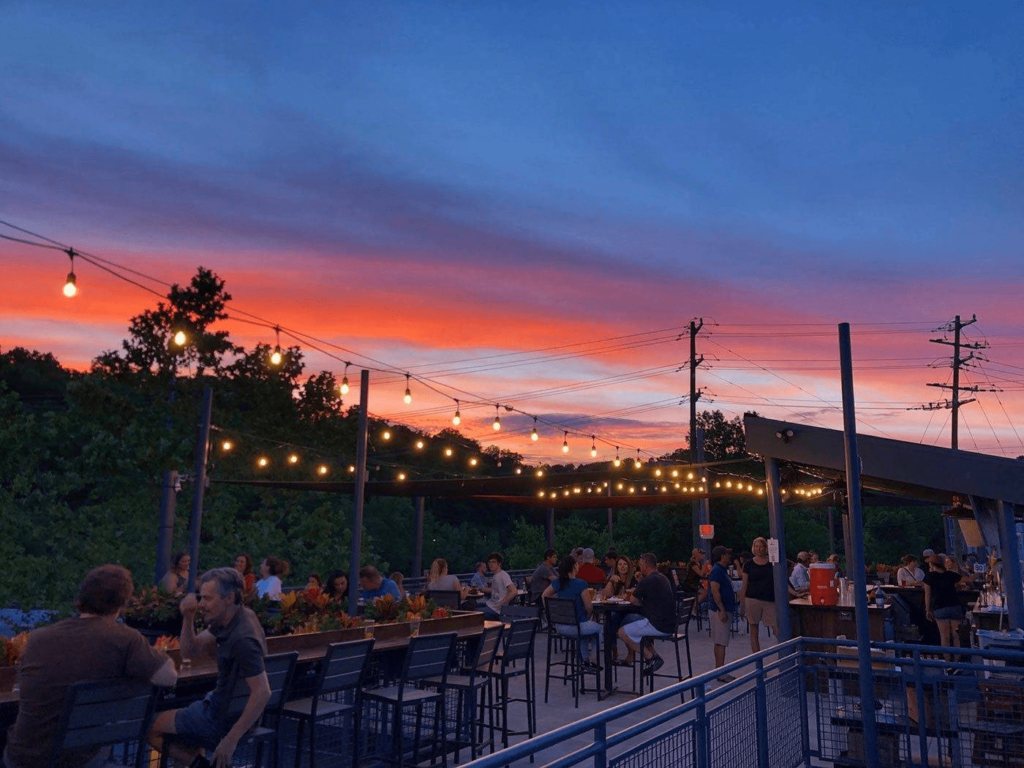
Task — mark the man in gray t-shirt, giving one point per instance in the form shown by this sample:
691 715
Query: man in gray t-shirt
541 578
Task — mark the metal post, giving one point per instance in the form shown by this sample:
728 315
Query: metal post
360 494
611 520
856 557
165 533
417 553
199 478
954 432
761 707
777 530
704 502
1011 565
550 525
696 442
831 530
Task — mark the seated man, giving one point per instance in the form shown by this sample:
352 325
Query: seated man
478 580
503 591
655 594
588 571
800 579
90 646
542 577
372 585
235 639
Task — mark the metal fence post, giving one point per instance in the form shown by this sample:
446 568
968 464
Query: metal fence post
601 742
761 705
701 728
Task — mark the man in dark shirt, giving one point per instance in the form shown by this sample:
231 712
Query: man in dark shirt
90 646
655 594
723 603
235 639
545 573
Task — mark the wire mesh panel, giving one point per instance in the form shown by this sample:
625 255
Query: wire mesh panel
785 744
670 748
726 724
991 727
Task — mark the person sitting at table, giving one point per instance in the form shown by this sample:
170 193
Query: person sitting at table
800 578
909 575
834 559
314 584
942 604
568 586
440 579
235 639
398 578
478 580
544 575
655 594
696 573
610 557
89 646
621 580
243 564
372 585
589 572
175 580
336 587
757 595
271 571
503 591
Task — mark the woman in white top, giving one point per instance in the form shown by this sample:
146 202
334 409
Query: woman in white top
271 570
909 575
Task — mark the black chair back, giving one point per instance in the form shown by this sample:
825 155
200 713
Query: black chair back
684 612
561 611
445 598
344 666
428 657
279 668
519 641
487 649
98 714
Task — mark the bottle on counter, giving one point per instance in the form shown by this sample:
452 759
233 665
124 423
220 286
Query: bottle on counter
880 598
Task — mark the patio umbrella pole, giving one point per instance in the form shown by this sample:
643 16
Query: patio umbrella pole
853 490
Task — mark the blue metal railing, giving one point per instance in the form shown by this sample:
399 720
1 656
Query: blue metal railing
801 700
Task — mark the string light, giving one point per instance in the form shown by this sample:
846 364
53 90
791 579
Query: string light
344 381
70 288
387 434
593 447
351 468
227 445
657 473
448 452
565 443
401 475
457 418
293 459
323 469
637 464
519 470
408 392
533 432
473 462
497 419
262 461
275 356
180 338
419 445
618 461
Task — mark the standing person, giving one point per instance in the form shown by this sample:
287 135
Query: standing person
723 603
655 594
569 586
176 579
926 559
90 646
757 595
942 604
503 591
834 560
372 585
271 571
243 564
589 572
234 638
800 578
909 575
544 575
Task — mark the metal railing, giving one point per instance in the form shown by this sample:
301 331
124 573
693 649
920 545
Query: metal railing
800 701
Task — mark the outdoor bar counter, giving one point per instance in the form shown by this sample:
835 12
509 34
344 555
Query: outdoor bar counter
831 621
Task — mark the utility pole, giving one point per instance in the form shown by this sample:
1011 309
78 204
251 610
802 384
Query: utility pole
699 508
958 363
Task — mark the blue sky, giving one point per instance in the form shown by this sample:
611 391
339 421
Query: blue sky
572 170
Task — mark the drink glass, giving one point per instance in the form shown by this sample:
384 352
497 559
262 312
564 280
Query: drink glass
186 665
414 627
368 625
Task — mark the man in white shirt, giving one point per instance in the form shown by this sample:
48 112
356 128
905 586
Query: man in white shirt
503 591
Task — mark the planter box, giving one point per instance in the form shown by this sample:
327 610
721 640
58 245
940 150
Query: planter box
7 677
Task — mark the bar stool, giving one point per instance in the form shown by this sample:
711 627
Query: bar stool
562 612
519 640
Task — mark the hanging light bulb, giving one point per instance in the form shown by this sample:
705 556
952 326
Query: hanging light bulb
180 338
344 381
401 475
275 356
227 445
457 418
565 443
351 468
618 461
533 432
593 447
473 462
497 419
387 434
419 445
323 469
519 470
262 462
293 459
70 289
637 464
448 452
408 392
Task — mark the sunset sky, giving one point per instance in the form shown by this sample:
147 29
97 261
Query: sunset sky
526 203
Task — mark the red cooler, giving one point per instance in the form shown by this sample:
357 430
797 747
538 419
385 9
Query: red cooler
824 584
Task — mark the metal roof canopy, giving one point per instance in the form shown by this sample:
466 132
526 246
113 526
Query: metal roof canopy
891 466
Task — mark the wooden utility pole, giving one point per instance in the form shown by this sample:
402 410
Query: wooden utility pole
958 363
699 508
